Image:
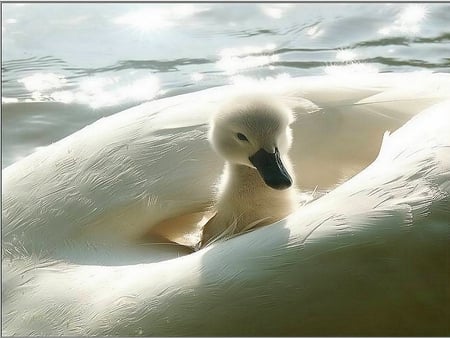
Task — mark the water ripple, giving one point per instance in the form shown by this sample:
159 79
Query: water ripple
402 40
155 65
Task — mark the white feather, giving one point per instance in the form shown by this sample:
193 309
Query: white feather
370 257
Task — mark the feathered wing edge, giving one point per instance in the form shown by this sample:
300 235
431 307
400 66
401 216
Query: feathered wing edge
407 182
411 172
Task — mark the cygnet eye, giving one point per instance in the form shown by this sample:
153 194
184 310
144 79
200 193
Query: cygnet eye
242 137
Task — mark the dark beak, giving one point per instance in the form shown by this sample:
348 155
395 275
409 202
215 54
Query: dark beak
271 169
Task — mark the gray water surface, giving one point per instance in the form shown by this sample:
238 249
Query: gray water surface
66 65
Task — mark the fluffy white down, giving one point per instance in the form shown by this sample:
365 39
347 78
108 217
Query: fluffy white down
244 200
370 257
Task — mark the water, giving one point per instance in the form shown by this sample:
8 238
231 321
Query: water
66 65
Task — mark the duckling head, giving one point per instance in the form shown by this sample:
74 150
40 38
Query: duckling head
254 132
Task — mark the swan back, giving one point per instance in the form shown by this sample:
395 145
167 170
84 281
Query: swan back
364 251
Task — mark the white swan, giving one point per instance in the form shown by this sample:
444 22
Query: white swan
252 134
368 258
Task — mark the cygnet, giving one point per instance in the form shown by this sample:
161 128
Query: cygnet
253 136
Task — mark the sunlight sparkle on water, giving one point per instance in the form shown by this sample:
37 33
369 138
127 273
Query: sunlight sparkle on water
94 91
275 11
43 81
107 91
413 14
233 65
234 60
9 99
345 55
63 96
197 77
159 17
95 84
314 32
145 20
408 21
246 50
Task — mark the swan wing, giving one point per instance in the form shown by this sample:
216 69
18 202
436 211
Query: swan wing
114 179
369 258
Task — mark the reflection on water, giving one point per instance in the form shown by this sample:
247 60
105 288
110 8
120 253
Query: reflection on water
345 55
234 60
95 91
40 81
106 57
159 18
408 20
